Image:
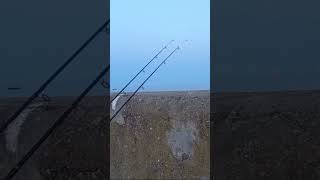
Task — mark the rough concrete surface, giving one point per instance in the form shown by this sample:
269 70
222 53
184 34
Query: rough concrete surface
161 135
267 135
76 150
257 136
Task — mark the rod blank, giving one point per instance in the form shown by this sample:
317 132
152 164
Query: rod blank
53 76
142 70
163 62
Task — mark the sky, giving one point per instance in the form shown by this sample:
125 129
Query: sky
139 29
38 36
265 45
259 45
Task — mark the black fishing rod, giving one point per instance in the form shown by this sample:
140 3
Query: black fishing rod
163 62
56 124
53 76
165 47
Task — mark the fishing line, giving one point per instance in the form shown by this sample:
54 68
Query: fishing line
56 124
52 77
142 70
163 62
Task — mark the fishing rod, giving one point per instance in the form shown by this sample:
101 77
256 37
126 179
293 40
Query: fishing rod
56 124
163 62
53 76
142 70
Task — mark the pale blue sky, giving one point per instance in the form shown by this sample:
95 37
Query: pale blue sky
139 29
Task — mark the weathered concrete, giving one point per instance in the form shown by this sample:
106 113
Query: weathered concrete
267 135
272 135
161 135
77 150
157 136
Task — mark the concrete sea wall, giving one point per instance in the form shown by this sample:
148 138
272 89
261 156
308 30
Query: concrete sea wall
161 135
267 135
76 150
